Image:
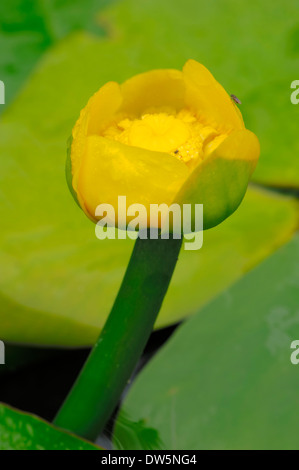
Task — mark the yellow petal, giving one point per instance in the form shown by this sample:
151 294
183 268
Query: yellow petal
103 106
98 112
208 98
239 145
110 169
154 89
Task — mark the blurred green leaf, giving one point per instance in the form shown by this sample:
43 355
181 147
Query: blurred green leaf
28 29
58 282
22 431
224 380
275 120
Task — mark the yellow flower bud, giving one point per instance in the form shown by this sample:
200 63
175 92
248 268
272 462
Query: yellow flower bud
164 136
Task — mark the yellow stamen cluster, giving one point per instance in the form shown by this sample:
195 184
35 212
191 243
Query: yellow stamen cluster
178 133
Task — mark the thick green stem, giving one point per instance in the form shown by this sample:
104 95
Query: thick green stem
106 372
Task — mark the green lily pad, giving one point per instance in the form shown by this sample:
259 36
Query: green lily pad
23 431
27 32
277 166
225 380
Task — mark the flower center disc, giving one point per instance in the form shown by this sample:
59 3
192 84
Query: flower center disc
158 132
180 134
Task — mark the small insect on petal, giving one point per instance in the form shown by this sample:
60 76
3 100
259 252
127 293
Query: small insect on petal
236 99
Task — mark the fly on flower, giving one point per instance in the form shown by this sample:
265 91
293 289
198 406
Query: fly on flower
236 99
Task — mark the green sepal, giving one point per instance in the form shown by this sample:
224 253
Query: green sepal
68 170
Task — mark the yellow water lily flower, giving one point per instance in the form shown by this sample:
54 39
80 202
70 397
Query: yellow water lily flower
164 136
